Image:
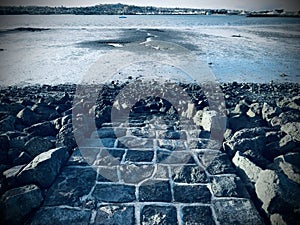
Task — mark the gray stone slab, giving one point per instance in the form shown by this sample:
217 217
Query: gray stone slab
135 174
139 156
176 157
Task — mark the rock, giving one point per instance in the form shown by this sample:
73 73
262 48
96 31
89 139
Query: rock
247 169
189 174
201 215
134 174
4 146
216 163
70 186
10 175
114 193
155 191
245 139
61 216
276 219
45 112
278 194
257 158
192 194
212 120
7 124
268 112
43 169
108 215
254 110
18 142
65 137
293 129
17 203
28 117
38 145
42 129
165 215
289 164
228 186
241 121
241 108
23 158
236 211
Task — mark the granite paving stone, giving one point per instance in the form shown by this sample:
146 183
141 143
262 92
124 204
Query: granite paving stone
200 215
192 194
155 191
115 214
155 214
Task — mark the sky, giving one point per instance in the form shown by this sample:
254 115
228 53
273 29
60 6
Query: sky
291 5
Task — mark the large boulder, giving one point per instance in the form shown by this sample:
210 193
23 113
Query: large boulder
293 129
289 164
44 168
279 195
247 169
45 111
37 145
17 203
245 139
28 117
7 124
42 129
268 112
4 146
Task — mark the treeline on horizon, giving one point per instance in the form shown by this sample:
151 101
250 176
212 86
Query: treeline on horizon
106 9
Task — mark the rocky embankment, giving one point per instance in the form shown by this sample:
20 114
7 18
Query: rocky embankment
262 139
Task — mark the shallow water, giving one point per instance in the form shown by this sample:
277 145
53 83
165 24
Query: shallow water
264 48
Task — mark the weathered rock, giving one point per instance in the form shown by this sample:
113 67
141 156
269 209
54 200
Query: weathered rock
257 158
200 215
114 193
7 124
17 203
237 211
61 216
4 146
212 120
228 186
43 169
71 185
189 174
42 129
245 139
10 175
23 158
216 162
65 137
192 194
107 215
254 110
45 111
289 164
241 121
292 129
38 145
278 194
136 173
247 169
268 112
28 117
165 215
155 191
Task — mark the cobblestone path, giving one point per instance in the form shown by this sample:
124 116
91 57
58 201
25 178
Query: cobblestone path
148 172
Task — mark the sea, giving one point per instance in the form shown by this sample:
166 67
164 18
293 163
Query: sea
60 49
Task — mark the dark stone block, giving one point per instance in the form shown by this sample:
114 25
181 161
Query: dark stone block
70 185
139 156
61 216
164 215
155 191
192 194
200 215
108 215
114 193
189 174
